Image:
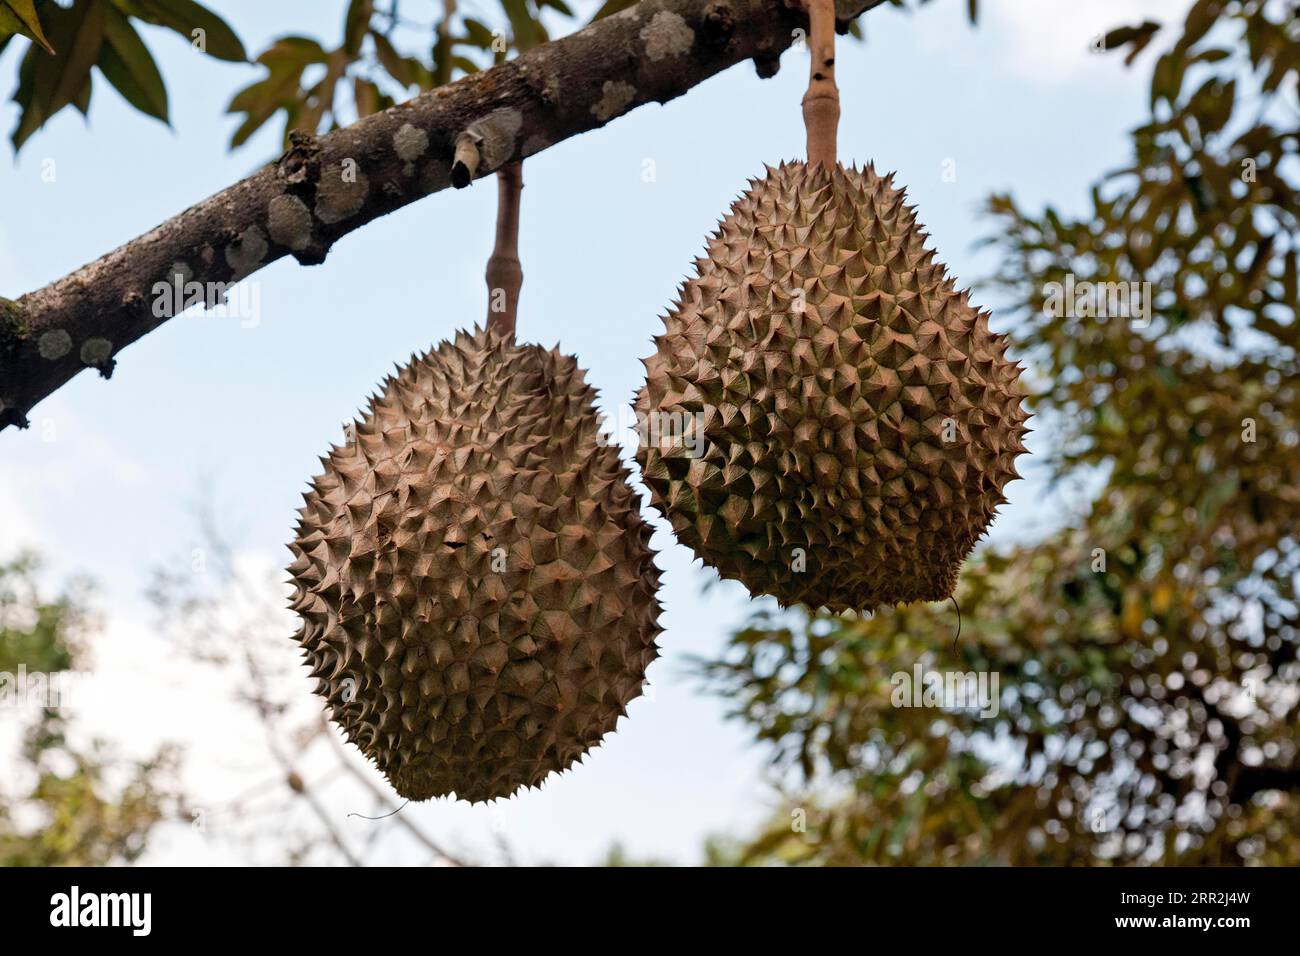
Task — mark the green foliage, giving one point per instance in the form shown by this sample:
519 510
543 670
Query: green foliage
1147 707
44 634
19 16
79 825
56 70
372 67
57 805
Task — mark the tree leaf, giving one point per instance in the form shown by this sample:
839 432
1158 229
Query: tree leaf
31 113
82 102
1122 36
294 49
398 66
477 34
1167 78
1212 104
185 17
285 61
526 31
1200 18
19 16
78 34
611 7
365 95
355 24
319 100
260 101
126 63
1139 36
465 65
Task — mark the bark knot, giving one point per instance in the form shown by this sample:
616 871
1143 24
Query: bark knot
299 167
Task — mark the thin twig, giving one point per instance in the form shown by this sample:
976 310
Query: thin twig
225 563
364 779
262 705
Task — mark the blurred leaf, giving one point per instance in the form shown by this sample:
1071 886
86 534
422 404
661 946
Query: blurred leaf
1137 36
48 82
1202 15
127 64
366 96
82 102
477 34
285 61
611 7
399 67
526 31
1212 104
19 16
1167 80
465 65
356 23
185 17
83 25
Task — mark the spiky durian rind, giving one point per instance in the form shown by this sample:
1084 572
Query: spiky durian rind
860 420
476 588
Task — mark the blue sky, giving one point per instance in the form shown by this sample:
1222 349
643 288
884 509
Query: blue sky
105 481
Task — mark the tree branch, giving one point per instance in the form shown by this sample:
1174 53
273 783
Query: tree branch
322 189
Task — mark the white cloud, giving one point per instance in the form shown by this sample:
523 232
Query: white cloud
20 531
1050 40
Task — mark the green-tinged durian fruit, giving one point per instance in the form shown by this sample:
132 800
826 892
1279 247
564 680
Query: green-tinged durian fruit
859 418
473 575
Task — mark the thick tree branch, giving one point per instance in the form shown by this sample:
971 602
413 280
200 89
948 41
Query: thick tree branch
322 189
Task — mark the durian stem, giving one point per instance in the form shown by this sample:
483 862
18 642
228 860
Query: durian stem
821 104
505 275
464 163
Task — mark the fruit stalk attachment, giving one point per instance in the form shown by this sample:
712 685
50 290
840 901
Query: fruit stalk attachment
821 104
505 276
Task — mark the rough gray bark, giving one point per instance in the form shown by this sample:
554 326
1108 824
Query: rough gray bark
323 188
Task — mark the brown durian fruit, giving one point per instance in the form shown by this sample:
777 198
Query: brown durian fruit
859 418
826 418
473 574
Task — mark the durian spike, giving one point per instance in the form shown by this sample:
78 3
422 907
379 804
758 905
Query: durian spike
505 275
821 104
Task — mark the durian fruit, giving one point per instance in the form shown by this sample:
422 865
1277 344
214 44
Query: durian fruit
473 574
857 418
